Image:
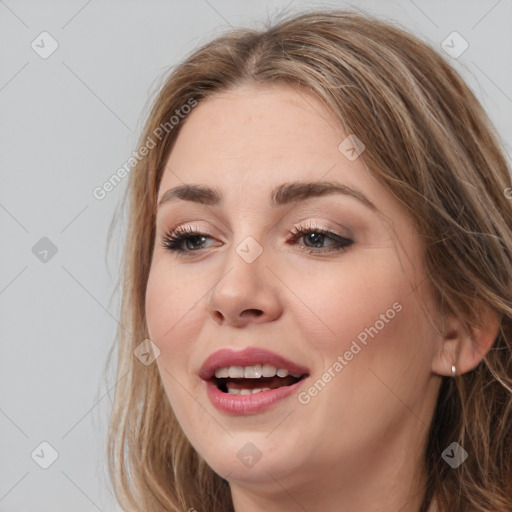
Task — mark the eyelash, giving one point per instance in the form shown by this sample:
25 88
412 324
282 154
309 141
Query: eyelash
173 240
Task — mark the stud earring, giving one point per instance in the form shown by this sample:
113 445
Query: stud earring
454 370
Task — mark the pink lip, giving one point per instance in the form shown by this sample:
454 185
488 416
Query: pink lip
247 404
248 357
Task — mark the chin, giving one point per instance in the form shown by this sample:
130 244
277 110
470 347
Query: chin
251 459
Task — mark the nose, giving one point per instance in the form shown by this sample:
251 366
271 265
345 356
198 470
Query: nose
246 292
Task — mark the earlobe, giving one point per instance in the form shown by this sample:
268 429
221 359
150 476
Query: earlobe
464 349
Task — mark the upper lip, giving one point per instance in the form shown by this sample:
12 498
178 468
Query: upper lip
250 356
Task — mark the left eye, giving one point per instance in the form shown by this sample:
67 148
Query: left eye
315 236
193 240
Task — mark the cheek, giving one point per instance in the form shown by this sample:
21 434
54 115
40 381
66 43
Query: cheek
341 304
172 310
167 300
374 340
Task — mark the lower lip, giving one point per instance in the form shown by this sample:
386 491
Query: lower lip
248 404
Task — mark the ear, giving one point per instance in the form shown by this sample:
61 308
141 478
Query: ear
465 349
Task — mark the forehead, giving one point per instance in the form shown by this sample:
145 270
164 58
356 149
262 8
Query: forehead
246 143
249 141
263 135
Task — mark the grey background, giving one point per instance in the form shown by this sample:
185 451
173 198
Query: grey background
67 123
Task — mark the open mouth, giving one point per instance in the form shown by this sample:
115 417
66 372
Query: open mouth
250 380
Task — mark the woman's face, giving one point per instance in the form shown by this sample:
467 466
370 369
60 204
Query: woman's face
337 305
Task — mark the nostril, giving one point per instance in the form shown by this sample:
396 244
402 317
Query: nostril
252 312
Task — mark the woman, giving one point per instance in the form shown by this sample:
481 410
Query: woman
319 250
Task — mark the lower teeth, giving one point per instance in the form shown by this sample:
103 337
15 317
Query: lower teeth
233 391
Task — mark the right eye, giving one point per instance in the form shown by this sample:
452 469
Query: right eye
188 236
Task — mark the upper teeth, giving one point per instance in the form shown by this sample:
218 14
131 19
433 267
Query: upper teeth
252 372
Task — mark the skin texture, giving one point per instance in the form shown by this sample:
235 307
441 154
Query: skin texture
357 445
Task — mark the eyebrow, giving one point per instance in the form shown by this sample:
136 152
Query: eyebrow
283 194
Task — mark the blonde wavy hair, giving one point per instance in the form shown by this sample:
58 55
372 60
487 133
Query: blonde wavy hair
431 144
